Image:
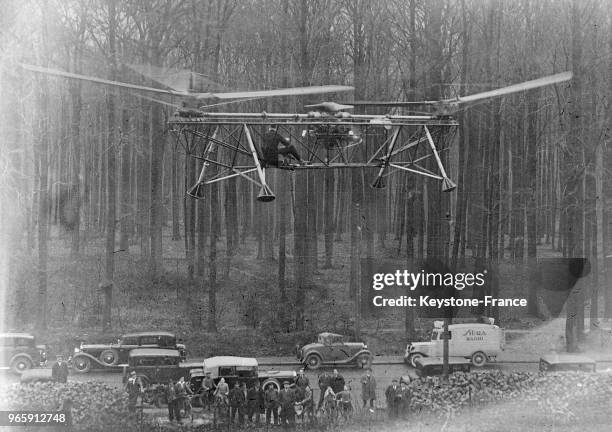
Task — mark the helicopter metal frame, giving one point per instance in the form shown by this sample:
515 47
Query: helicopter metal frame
229 142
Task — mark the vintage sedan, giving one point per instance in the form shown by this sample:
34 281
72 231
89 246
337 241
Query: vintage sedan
154 367
88 356
158 365
332 349
244 369
19 352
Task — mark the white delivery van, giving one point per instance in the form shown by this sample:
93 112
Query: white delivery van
479 342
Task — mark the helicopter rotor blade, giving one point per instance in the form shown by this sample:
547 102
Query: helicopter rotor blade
296 91
527 85
60 73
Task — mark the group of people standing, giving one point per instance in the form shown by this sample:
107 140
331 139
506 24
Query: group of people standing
280 407
398 399
177 396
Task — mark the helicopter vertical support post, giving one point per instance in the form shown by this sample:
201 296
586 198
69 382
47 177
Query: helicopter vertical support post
447 184
197 191
265 193
379 182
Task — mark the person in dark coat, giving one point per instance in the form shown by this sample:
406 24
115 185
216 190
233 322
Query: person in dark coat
307 403
337 382
182 392
170 391
324 382
208 388
237 400
368 389
275 144
59 371
134 389
394 398
254 402
404 403
302 380
271 404
287 399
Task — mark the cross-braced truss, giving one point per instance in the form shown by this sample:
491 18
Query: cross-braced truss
229 145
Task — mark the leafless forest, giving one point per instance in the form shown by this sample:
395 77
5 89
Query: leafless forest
91 179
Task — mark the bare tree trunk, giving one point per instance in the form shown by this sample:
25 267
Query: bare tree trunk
189 222
282 243
157 198
111 186
328 218
212 266
75 180
573 168
175 196
300 248
126 207
43 199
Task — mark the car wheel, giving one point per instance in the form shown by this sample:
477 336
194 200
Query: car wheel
364 361
272 381
81 364
479 359
109 357
21 364
413 358
313 361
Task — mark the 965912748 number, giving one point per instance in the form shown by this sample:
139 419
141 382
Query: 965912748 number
39 418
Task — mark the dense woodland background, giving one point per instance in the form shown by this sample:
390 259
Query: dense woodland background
92 201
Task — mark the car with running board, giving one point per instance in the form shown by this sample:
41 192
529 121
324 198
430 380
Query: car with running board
333 349
111 356
19 352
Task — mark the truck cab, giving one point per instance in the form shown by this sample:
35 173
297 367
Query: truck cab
478 342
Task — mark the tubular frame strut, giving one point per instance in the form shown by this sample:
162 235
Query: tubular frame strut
402 143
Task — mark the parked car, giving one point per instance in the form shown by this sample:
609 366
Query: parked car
243 369
158 365
567 362
88 356
19 352
479 342
333 349
430 366
155 366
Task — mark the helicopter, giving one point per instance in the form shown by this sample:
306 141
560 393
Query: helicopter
330 137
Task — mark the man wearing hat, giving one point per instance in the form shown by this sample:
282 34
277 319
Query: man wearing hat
237 400
302 380
287 400
173 412
59 371
271 404
134 389
255 402
368 389
394 398
208 387
337 382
